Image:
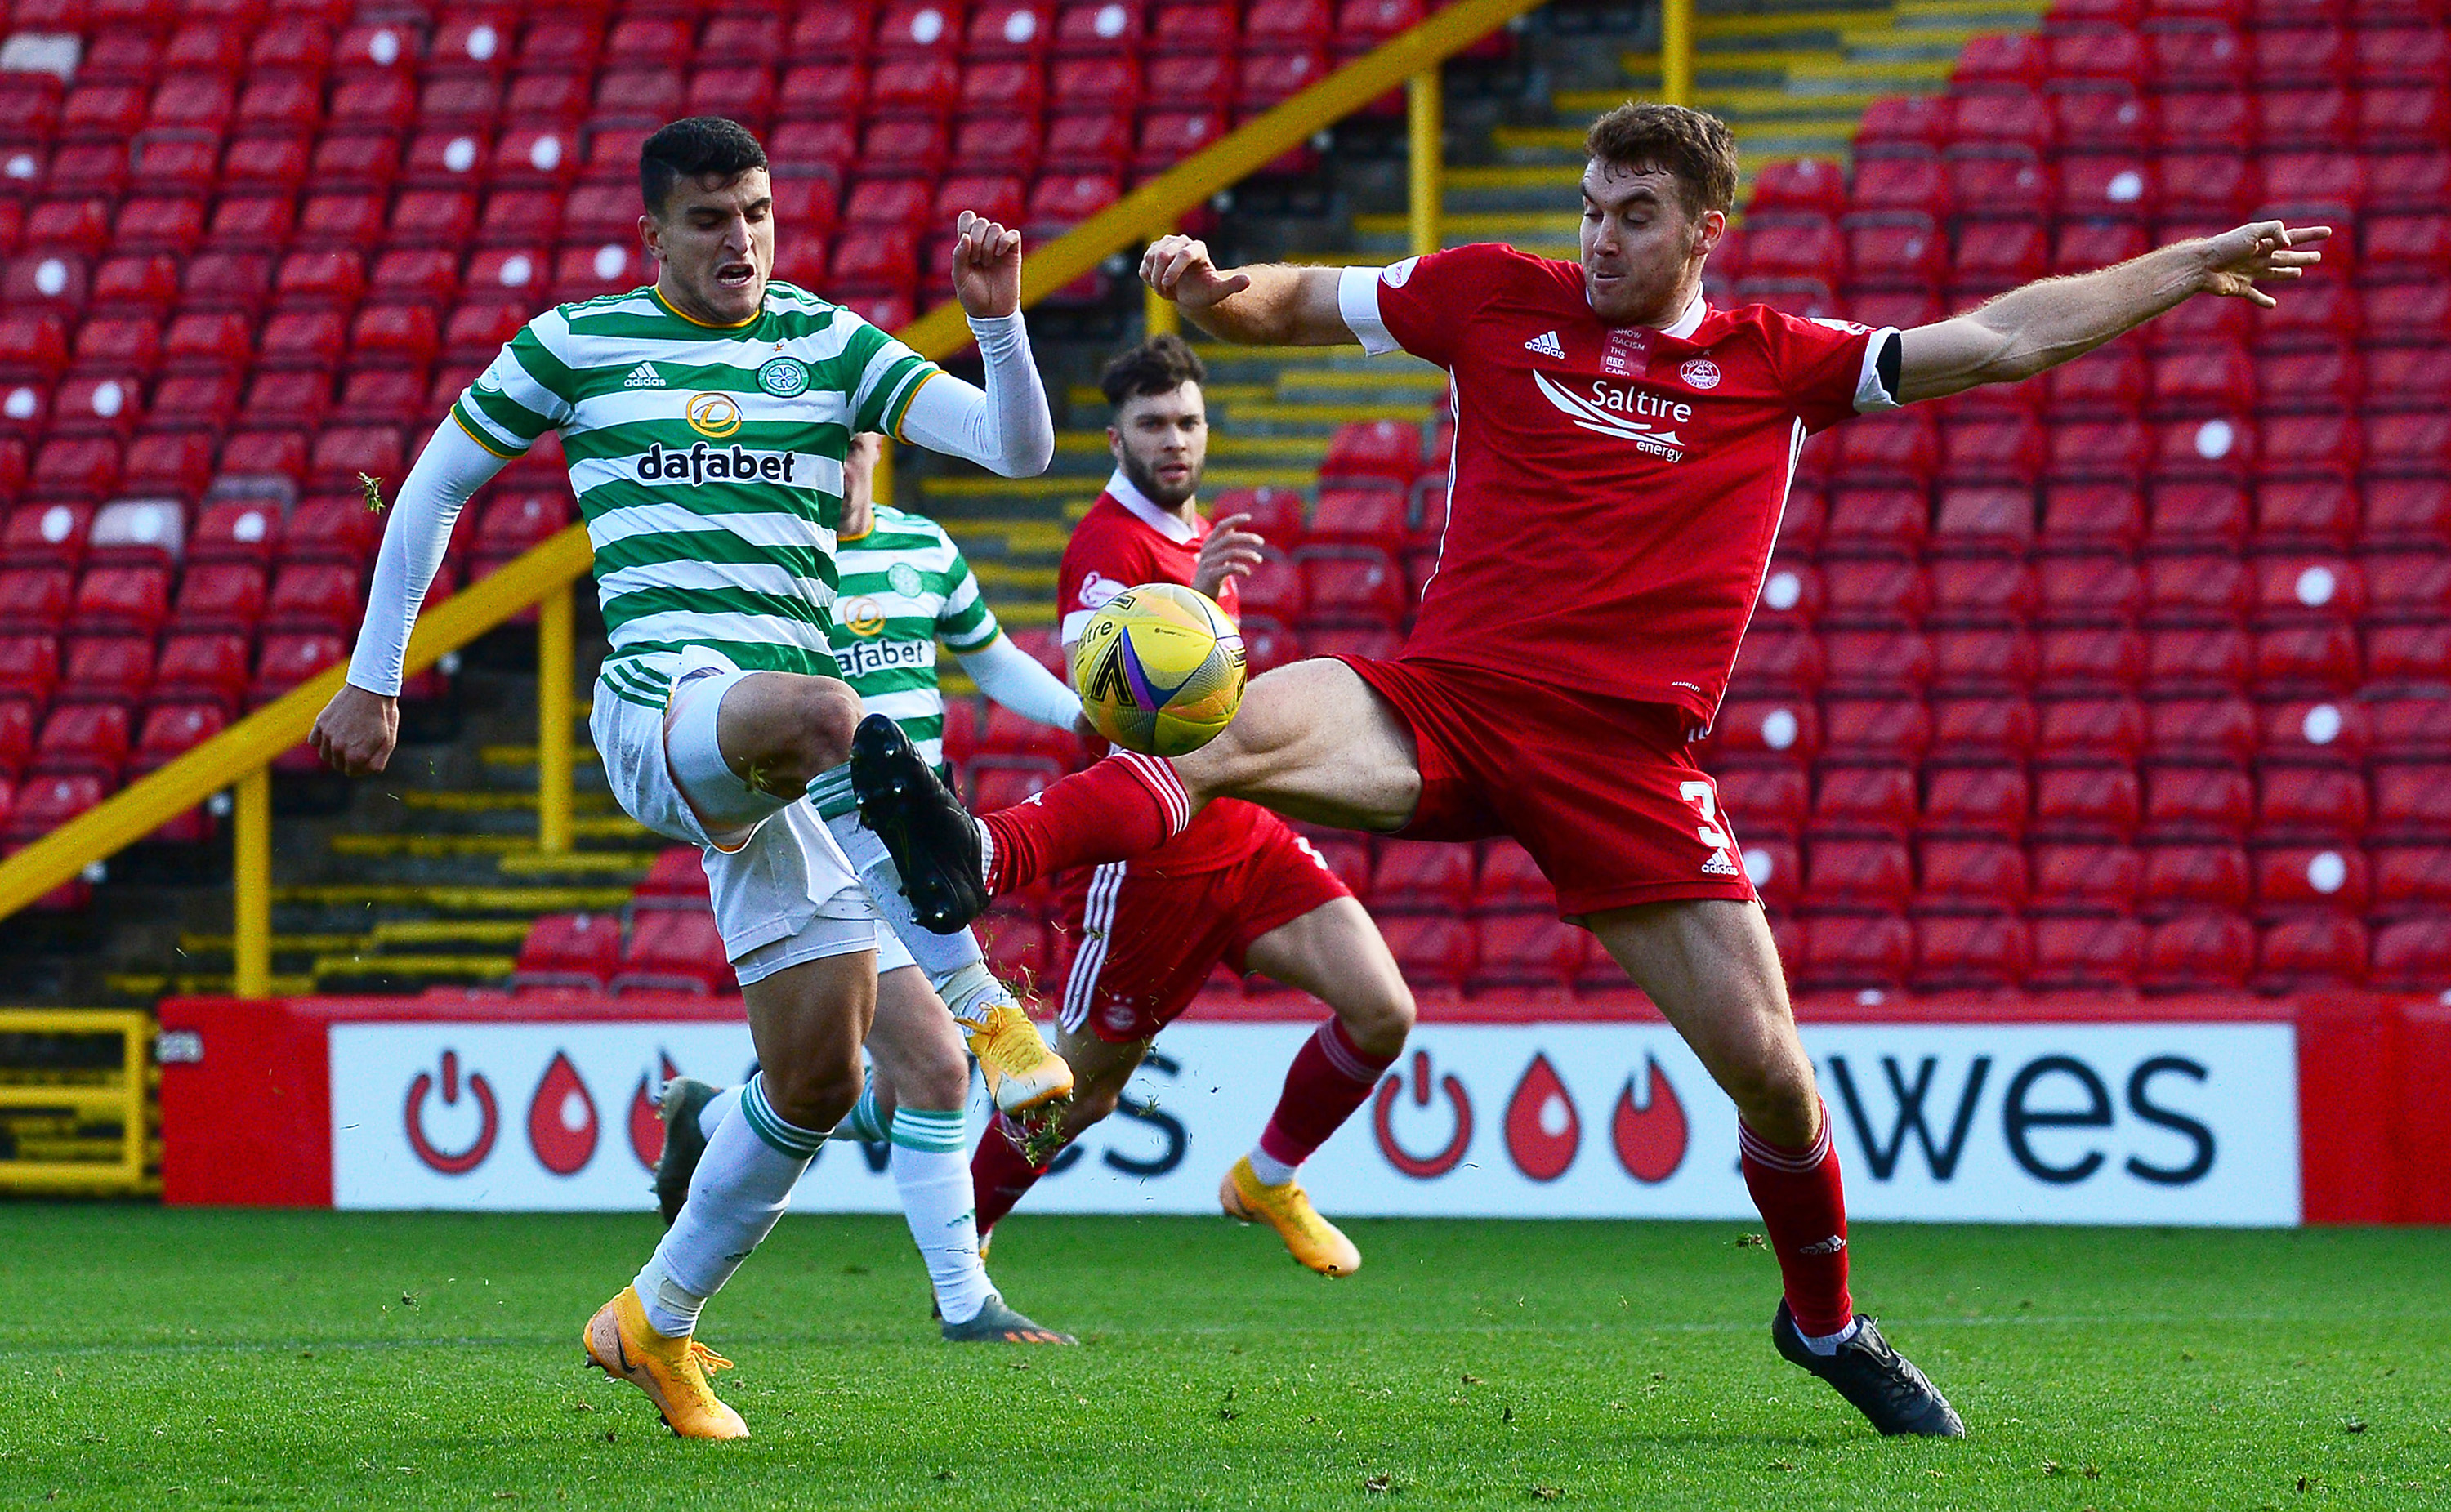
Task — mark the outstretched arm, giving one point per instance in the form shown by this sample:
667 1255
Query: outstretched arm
2033 329
1014 677
1265 305
356 730
1005 427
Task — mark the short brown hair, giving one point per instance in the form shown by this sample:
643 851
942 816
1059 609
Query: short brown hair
1158 365
1694 147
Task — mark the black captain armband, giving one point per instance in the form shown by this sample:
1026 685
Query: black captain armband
1890 363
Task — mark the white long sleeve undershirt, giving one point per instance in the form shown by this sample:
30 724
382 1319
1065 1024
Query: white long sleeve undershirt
447 474
1014 678
1004 428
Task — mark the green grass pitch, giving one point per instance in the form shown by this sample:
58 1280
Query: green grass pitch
182 1359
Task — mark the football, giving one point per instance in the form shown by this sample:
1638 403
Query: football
1158 669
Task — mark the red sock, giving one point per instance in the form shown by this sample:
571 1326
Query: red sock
1116 810
1805 1212
1329 1078
1000 1175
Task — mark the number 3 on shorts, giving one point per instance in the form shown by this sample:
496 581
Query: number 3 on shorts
1706 798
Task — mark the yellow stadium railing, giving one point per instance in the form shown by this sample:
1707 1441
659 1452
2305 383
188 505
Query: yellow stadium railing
239 758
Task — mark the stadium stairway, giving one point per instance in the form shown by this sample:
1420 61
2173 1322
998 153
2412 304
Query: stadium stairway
428 876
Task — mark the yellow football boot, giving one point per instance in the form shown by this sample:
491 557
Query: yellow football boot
672 1372
1021 1072
1313 1240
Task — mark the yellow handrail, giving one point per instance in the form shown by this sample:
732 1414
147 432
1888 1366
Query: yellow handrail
1157 206
240 755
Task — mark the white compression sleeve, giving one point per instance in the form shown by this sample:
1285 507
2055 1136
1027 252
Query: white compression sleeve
1014 679
1006 428
451 470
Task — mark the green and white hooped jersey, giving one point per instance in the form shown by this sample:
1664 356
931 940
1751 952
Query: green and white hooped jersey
706 461
905 587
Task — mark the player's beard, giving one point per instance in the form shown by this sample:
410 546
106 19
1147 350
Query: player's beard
1165 496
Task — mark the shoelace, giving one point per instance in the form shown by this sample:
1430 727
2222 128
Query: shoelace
707 1359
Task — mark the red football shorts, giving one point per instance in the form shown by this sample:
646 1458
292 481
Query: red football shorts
1147 939
1605 794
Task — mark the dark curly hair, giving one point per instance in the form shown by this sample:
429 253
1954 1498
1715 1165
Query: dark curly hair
1695 147
690 148
1158 365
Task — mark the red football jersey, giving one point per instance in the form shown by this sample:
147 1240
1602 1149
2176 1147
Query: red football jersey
1615 490
1123 542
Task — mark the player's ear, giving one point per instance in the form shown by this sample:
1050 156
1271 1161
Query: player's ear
1707 231
649 230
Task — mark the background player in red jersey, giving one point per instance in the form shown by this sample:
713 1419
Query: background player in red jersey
1622 455
1236 885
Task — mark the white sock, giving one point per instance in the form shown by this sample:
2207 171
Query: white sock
1829 1343
718 1109
742 1185
865 1122
1272 1171
931 1171
971 993
942 956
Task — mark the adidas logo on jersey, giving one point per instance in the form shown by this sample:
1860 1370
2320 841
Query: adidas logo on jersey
1719 864
1546 344
643 376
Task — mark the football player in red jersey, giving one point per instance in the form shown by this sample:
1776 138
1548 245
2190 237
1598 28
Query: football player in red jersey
1236 885
1622 455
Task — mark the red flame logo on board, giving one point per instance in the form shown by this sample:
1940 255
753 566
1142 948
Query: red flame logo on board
1543 1132
489 1120
1650 1139
1423 1167
646 1129
561 1119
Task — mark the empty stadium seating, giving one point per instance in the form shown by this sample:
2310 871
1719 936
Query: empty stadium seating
248 250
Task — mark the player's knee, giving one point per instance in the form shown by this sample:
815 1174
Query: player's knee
825 713
941 1080
1380 1020
1776 1095
816 1095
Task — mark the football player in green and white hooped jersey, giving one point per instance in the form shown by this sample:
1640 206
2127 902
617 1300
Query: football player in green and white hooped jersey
706 419
905 587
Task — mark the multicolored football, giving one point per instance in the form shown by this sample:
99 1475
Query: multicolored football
1158 669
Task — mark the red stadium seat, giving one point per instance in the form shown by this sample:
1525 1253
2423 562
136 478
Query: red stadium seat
1766 726
569 950
1764 800
1858 951
29 666
1875 593
1531 950
35 598
1864 874
1891 520
288 658
1986 800
2197 589
2414 954
2412 879
2201 660
1985 730
1877 801
2202 729
2086 802
1420 877
674 950
2311 950
2188 802
2412 801
45 804
84 738
1973 874
133 599
1876 662
1433 951
1981 591
2091 659
2310 876
1961 951
2320 732
2199 951
1351 585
